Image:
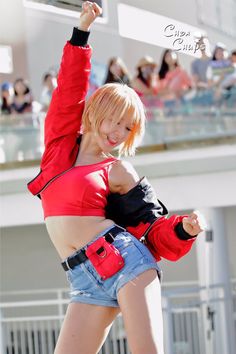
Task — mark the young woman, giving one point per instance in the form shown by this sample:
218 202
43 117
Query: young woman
174 80
22 100
145 82
109 269
117 72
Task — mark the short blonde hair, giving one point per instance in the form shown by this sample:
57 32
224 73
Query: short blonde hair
117 101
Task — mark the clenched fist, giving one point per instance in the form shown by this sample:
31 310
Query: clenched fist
194 223
90 11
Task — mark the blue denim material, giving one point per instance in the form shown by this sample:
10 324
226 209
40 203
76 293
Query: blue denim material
87 286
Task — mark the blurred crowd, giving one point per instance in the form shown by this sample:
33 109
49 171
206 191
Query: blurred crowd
17 97
211 81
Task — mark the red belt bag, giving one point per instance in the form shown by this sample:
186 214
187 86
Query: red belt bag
105 258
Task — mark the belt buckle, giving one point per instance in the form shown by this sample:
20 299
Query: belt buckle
110 234
67 264
109 237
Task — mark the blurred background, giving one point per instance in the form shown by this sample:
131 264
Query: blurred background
180 57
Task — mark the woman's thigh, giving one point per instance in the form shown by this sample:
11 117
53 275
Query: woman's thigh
85 328
140 304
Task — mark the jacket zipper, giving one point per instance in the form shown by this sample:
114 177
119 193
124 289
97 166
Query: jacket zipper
55 177
60 174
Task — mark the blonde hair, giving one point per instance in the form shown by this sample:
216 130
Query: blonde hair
116 101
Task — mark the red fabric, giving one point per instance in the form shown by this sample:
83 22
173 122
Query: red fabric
63 120
138 230
176 80
81 191
105 258
162 240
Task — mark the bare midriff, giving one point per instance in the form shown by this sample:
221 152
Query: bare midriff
70 233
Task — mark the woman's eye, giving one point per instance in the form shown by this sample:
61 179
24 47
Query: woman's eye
129 129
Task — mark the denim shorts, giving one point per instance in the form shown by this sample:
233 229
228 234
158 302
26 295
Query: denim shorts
87 286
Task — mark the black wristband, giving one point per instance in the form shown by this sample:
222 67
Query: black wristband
79 38
181 233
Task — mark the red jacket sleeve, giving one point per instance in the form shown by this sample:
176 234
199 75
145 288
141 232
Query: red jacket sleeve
66 108
162 239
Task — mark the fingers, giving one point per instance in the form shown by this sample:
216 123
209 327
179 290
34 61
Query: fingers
90 11
92 6
191 220
97 9
197 221
194 223
201 219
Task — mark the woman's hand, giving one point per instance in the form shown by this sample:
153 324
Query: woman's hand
194 223
90 11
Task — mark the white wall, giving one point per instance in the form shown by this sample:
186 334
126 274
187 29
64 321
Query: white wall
28 260
185 269
13 32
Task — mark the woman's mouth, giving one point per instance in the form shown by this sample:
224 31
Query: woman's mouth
111 141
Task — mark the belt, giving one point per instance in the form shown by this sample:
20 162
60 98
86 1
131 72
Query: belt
80 256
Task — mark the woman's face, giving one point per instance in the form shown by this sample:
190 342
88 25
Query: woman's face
20 87
115 69
220 54
112 134
147 70
170 58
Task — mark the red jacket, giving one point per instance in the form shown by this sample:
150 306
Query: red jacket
63 120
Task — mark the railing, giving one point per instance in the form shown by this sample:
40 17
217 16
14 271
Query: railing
32 326
30 322
21 136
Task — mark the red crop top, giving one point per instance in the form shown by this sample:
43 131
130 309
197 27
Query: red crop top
81 191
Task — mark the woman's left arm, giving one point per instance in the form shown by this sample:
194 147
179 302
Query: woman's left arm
133 204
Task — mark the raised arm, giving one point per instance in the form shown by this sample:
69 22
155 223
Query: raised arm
66 108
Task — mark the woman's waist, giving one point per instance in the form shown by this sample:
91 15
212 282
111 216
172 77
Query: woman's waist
70 233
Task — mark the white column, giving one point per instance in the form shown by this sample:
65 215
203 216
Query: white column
213 268
168 326
1 333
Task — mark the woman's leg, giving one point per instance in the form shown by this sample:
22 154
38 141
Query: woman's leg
85 328
140 304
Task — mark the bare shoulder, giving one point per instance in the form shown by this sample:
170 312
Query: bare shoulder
122 177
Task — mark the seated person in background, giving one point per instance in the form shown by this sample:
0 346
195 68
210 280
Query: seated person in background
146 80
199 66
22 99
117 72
174 80
219 67
229 81
6 97
49 84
